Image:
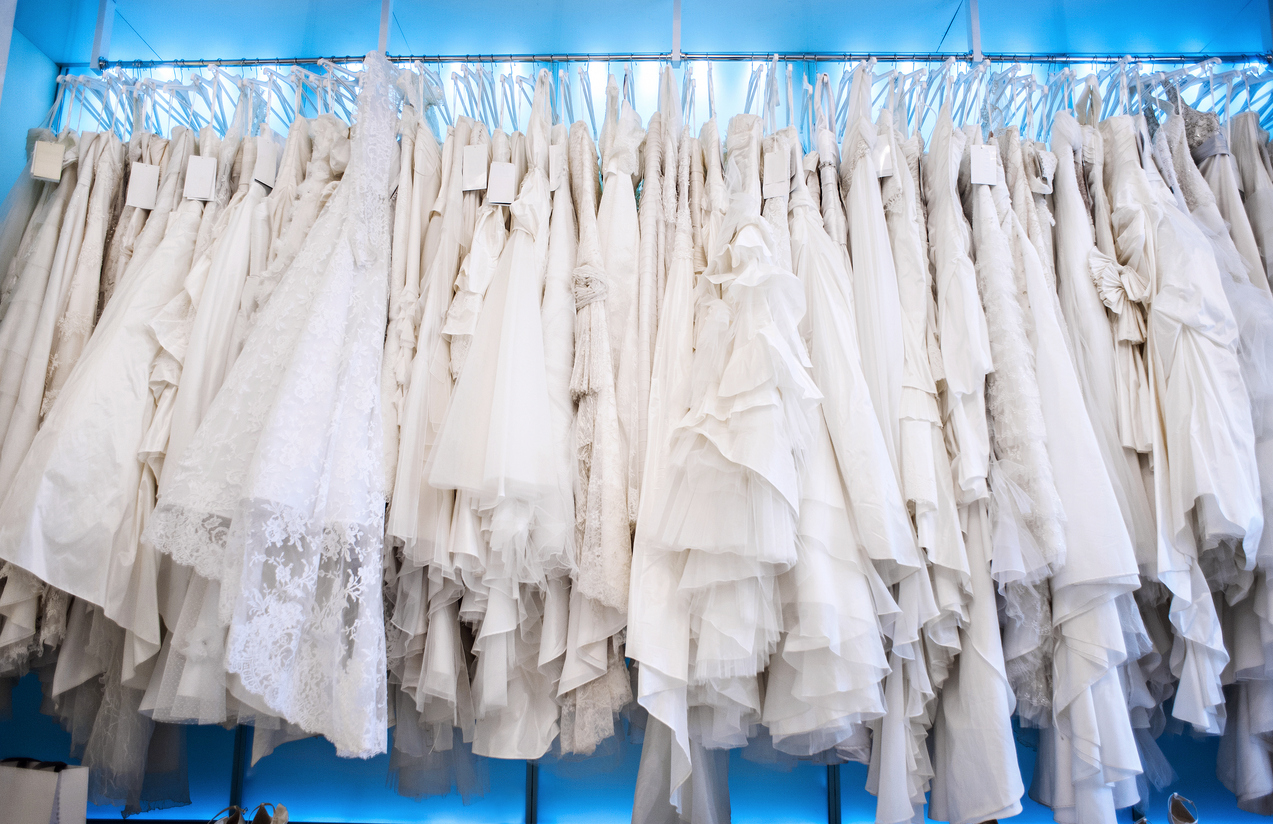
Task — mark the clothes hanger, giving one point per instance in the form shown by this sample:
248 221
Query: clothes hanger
935 93
179 99
807 124
711 93
767 102
92 86
565 99
961 90
842 97
585 86
752 85
629 84
823 101
283 84
689 89
958 91
433 91
508 99
488 76
526 86
56 108
461 98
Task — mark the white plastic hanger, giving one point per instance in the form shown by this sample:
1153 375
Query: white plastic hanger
585 86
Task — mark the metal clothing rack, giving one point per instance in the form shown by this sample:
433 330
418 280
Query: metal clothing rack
646 57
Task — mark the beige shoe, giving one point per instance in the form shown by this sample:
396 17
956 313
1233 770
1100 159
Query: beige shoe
276 814
232 815
1181 810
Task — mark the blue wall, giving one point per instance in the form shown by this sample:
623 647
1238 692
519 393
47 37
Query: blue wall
315 785
29 80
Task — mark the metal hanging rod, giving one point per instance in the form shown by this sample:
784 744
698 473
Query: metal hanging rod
891 57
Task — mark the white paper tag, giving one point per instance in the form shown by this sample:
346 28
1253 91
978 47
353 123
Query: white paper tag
474 168
985 164
556 166
884 159
266 161
777 175
143 186
201 178
46 162
500 187
810 163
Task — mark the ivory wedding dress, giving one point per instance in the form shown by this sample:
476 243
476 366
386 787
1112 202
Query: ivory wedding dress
293 528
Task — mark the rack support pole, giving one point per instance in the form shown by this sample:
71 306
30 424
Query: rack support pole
974 31
676 32
7 10
102 35
386 16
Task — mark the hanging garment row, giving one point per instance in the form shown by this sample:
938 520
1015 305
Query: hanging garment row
517 443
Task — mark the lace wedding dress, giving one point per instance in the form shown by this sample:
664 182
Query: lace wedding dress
279 496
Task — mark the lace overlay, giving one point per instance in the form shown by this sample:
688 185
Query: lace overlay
280 495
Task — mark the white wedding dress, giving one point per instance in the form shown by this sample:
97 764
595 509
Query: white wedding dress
975 772
90 449
279 496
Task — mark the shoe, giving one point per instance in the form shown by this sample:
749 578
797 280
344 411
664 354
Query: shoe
277 814
1181 810
1138 815
233 815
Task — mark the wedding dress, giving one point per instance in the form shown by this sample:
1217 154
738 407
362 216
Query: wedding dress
293 529
495 448
594 679
125 243
619 234
1028 533
80 312
972 724
1249 146
1208 143
874 276
1088 756
21 417
826 678
733 453
213 293
1210 190
435 671
1189 342
1079 264
88 449
926 476
961 321
25 209
270 218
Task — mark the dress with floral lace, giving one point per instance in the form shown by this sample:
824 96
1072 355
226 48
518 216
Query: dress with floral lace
280 495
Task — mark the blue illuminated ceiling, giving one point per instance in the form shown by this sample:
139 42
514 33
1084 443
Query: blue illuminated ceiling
159 29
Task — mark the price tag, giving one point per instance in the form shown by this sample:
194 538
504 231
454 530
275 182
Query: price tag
474 176
143 186
884 158
499 189
985 164
777 175
266 162
556 166
201 178
46 162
